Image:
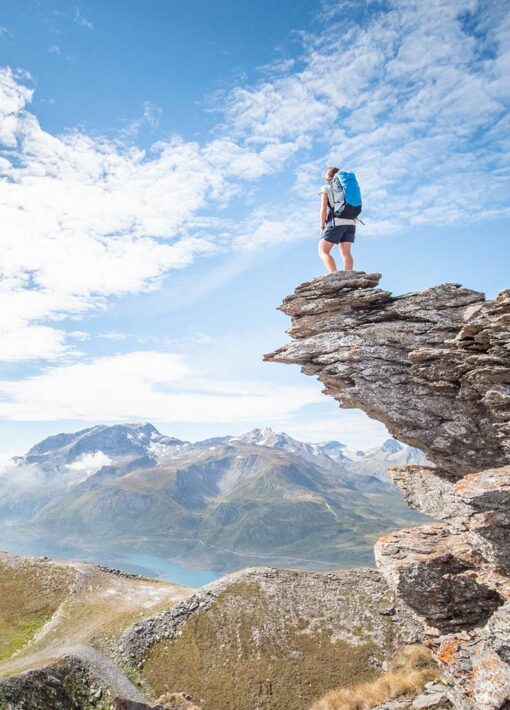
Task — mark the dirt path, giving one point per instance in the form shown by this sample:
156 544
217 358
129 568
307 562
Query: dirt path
101 666
99 606
107 671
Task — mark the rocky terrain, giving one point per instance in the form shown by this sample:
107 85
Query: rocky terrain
77 637
221 504
434 366
76 613
266 638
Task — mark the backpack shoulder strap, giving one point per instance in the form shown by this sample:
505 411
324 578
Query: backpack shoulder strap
328 189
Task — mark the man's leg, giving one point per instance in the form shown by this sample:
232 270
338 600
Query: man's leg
328 261
345 249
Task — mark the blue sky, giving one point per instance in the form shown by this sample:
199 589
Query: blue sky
161 165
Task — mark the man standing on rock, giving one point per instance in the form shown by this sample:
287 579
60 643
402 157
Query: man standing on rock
338 218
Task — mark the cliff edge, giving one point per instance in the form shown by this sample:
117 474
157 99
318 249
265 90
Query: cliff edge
434 367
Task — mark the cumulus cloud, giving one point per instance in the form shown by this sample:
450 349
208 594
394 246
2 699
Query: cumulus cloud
413 97
85 218
149 384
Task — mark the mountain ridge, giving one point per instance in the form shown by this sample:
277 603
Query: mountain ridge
221 503
92 637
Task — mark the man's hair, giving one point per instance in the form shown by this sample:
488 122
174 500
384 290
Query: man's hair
330 173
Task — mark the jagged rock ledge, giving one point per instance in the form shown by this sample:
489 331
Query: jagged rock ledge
434 367
431 365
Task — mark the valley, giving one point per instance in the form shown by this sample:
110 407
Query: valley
126 494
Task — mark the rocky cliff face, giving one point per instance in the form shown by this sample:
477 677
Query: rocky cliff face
434 366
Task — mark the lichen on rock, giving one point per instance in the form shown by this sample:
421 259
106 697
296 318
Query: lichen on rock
434 367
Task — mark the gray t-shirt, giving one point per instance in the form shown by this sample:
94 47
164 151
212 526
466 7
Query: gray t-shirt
335 196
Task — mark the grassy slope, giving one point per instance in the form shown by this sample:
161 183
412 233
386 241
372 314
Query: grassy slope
412 667
49 608
256 650
30 593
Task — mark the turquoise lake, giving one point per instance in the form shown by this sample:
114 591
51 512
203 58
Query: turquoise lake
13 540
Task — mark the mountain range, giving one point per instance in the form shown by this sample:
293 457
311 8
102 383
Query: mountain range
221 503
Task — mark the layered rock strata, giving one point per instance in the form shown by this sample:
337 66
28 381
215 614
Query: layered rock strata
434 367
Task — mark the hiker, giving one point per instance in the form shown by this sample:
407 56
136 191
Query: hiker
340 205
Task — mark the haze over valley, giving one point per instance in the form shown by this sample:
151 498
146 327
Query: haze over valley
132 497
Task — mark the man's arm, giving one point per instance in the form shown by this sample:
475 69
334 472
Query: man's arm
324 210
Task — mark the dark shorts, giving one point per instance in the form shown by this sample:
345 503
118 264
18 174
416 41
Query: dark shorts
341 234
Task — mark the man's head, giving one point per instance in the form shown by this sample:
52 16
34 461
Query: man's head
330 174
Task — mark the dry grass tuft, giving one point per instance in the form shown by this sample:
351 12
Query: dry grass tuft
410 670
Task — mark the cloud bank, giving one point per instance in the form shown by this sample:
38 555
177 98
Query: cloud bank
149 385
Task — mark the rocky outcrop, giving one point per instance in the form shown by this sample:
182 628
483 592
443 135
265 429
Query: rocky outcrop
267 637
313 595
68 683
434 367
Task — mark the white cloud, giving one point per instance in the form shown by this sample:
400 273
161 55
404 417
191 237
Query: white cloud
85 218
31 342
411 97
87 465
407 97
17 478
150 116
147 385
5 457
113 335
80 19
266 228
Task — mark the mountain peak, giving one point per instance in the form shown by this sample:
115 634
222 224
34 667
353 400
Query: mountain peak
260 431
391 446
141 425
116 439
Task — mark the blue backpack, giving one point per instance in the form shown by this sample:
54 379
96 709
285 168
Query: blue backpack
350 206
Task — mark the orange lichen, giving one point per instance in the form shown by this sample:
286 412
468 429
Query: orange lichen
447 650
